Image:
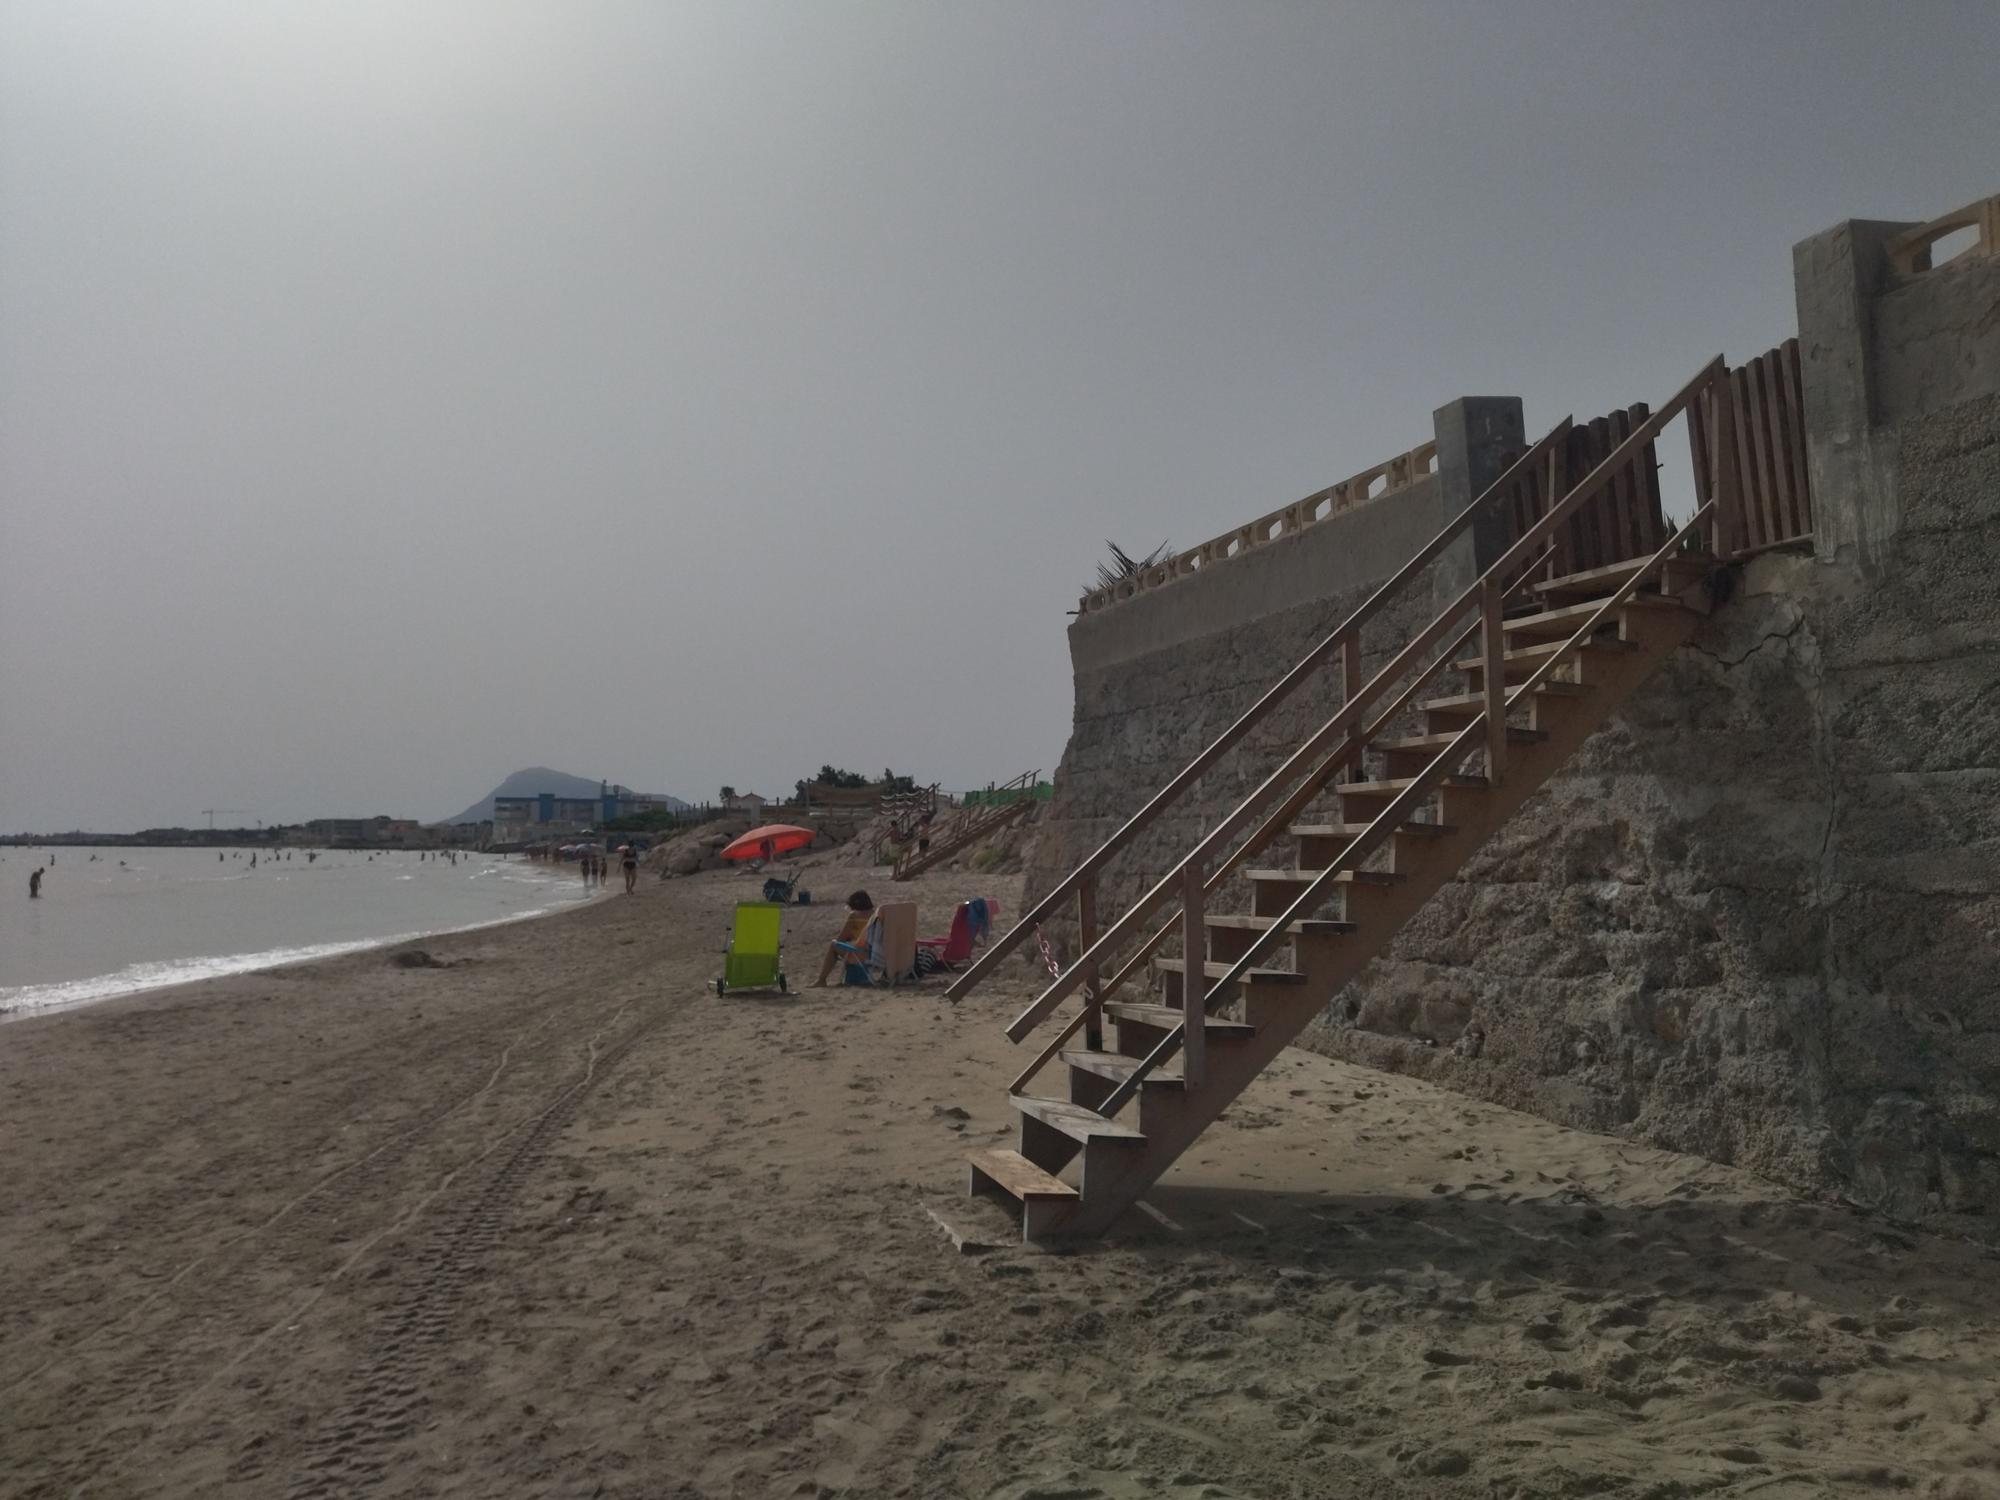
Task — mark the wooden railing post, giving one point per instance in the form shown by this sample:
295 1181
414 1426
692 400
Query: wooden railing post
1494 670
1351 682
1086 934
1194 976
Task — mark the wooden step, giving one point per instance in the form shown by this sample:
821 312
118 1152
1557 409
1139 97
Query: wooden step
1345 877
1073 1120
1214 970
1534 656
1016 1176
1355 830
1471 704
1118 1068
1166 1018
1394 785
1676 572
1515 736
1567 619
1306 927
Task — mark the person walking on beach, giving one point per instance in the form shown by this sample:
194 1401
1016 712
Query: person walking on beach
629 859
35 885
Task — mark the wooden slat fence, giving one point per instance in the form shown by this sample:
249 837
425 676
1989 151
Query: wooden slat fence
1622 521
1772 502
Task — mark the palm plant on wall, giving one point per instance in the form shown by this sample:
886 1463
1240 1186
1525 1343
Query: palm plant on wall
1123 565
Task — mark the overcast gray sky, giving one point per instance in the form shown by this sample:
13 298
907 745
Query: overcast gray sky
396 394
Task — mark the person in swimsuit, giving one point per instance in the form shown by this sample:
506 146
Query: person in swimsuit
860 911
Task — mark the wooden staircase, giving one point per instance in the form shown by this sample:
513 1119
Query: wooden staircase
1382 806
1014 803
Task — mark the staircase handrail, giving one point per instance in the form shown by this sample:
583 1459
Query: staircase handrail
1495 581
1348 630
1345 720
1468 739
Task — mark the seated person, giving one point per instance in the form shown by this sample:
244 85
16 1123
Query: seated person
860 910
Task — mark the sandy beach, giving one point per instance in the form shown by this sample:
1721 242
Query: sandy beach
552 1219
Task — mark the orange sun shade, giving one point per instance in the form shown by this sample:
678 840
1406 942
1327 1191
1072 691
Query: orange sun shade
782 837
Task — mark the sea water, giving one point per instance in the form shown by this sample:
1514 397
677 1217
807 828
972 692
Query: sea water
131 919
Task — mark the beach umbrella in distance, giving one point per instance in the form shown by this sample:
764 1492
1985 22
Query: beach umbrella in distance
782 837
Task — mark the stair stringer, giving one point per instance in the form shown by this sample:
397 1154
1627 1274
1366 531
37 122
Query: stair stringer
1172 1120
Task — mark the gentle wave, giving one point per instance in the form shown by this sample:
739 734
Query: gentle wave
38 998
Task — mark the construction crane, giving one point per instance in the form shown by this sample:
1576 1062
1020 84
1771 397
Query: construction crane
227 812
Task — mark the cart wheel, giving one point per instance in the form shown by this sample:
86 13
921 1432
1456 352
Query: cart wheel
781 986
720 986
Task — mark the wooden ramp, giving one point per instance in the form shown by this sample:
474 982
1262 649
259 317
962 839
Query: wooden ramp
1383 805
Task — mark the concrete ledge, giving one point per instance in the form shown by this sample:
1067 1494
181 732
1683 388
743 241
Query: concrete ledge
1333 557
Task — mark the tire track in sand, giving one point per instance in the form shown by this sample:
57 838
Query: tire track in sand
373 1164
383 1408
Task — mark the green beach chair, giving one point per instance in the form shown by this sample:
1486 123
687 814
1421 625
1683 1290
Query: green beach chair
753 957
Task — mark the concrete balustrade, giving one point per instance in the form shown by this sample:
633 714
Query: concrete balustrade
1364 488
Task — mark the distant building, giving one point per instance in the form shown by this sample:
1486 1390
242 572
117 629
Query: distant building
524 820
749 802
352 830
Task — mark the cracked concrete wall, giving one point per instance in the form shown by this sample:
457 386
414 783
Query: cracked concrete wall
1934 340
1757 917
1879 348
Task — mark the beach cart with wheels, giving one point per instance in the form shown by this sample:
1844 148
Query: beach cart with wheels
753 958
783 891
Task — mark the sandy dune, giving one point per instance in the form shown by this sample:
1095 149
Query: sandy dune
552 1221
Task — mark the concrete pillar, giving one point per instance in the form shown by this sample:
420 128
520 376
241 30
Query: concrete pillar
1474 435
1851 462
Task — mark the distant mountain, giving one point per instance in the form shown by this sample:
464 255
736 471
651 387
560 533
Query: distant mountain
532 782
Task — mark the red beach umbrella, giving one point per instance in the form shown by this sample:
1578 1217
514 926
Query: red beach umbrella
782 837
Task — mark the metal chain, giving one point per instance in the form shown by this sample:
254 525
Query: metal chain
1048 958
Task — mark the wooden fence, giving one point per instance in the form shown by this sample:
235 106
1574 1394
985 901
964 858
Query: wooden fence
1765 433
1623 520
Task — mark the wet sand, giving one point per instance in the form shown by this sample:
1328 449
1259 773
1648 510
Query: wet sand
554 1220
